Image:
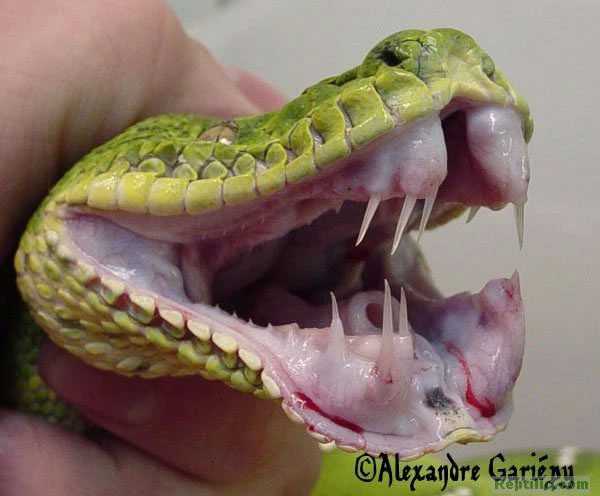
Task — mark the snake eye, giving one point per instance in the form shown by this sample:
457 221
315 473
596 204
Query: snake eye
388 57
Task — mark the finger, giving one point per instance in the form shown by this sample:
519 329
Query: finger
83 75
259 92
37 458
200 427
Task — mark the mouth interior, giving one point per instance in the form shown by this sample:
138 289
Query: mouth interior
301 270
387 356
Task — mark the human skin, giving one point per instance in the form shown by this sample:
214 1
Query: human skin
73 75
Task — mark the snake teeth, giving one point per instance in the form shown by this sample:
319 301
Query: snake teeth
291 414
320 438
347 448
519 209
373 204
472 213
407 208
428 206
337 340
384 359
327 447
374 201
383 363
519 215
403 326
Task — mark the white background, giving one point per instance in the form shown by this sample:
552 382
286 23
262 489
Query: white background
550 50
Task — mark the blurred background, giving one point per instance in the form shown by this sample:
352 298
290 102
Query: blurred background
549 50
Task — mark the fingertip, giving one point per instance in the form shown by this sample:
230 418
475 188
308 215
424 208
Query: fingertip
202 86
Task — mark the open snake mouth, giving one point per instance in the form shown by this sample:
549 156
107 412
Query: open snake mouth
328 305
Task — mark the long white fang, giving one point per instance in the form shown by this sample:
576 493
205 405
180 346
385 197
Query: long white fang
384 359
427 207
407 208
403 327
520 221
374 201
337 340
472 212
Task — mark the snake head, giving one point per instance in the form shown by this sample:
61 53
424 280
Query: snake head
275 252
452 66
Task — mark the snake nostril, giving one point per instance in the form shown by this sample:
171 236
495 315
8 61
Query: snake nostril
388 57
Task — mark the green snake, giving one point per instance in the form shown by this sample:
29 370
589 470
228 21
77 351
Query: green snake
274 252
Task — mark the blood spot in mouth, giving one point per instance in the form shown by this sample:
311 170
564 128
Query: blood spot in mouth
485 407
306 402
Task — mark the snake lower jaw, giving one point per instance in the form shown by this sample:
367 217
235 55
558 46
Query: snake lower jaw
405 370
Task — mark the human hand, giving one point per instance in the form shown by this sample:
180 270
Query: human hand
73 75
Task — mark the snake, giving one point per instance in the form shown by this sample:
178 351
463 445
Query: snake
280 253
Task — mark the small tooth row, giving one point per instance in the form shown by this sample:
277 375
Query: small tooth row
291 414
325 443
403 219
519 211
336 346
113 329
406 212
519 215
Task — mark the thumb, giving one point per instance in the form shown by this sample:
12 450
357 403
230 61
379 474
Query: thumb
85 74
200 427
